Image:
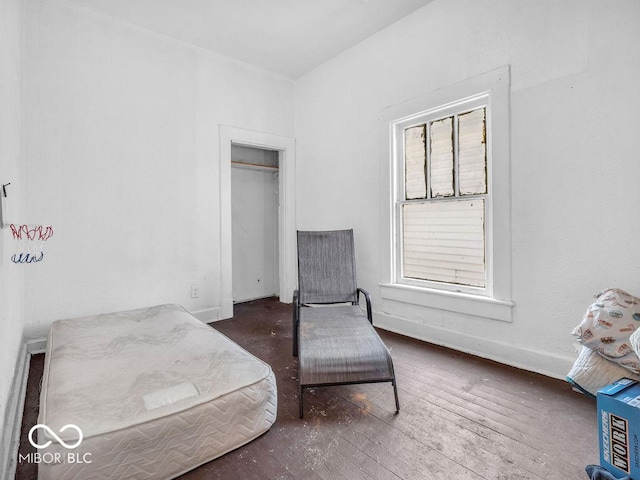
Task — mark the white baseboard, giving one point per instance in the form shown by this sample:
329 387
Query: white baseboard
207 315
13 415
518 356
36 345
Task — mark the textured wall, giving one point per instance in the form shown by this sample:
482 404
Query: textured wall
574 157
123 159
11 155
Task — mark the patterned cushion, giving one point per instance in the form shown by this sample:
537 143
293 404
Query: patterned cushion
608 325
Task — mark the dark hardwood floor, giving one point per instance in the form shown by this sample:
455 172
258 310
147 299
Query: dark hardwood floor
461 417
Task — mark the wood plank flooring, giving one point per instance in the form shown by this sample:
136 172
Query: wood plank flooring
461 417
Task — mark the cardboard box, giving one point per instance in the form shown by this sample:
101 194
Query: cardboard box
619 428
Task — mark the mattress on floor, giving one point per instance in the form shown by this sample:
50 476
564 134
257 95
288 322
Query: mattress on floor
155 393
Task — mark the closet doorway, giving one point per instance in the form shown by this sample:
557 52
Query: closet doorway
254 220
287 258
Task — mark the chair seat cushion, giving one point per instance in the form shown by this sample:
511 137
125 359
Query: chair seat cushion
338 344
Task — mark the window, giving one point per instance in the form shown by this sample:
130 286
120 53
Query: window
443 210
442 204
446 175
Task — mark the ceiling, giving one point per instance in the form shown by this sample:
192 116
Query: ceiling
289 37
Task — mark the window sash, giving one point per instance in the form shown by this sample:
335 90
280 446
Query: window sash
470 182
444 241
446 157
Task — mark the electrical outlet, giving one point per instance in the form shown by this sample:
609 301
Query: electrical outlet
195 291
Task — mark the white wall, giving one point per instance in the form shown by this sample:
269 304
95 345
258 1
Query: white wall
574 157
254 223
254 212
122 155
11 155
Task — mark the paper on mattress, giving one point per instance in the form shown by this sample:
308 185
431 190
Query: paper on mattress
170 395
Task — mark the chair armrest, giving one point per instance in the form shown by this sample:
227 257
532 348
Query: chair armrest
296 320
368 300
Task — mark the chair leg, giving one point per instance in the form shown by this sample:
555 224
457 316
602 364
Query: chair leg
296 317
295 339
295 334
300 404
395 392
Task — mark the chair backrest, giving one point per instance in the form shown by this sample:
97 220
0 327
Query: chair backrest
326 267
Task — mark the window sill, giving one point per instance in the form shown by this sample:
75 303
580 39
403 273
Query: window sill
451 301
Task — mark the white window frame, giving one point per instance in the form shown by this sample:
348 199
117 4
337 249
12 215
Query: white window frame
398 128
495 300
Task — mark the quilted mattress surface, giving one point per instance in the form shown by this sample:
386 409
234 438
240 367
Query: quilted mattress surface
153 393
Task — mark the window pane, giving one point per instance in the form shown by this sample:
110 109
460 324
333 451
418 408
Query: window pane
444 241
441 162
414 159
472 153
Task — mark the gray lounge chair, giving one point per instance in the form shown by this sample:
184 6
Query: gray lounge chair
335 345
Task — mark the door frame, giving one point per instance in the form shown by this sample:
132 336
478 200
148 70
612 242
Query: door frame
286 211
